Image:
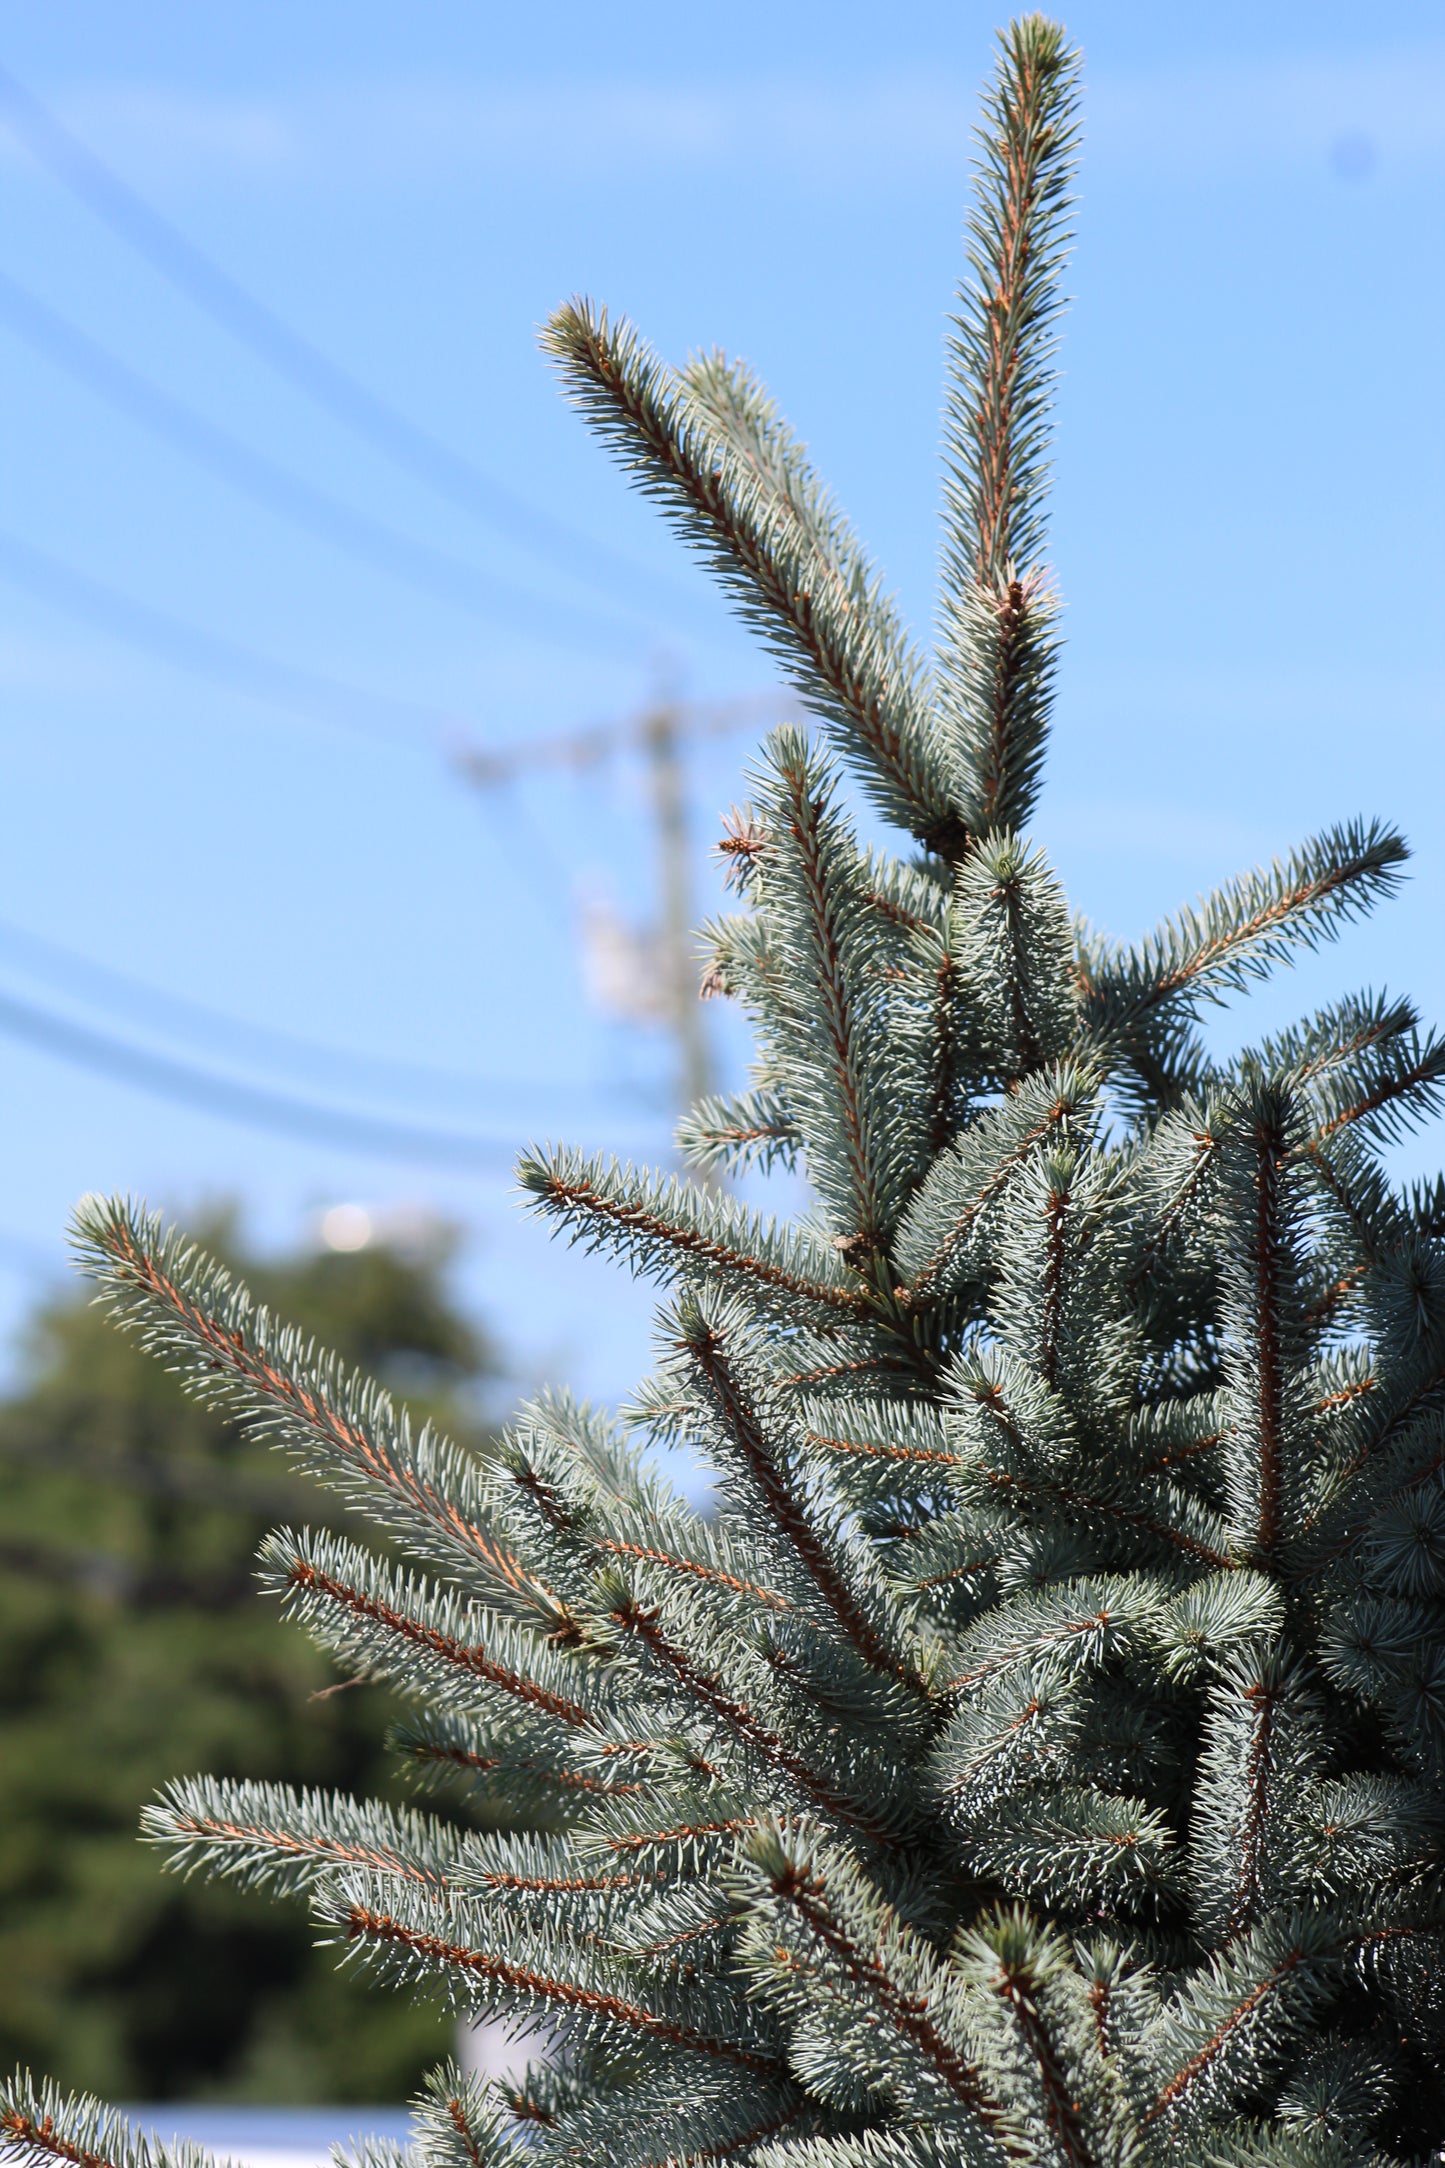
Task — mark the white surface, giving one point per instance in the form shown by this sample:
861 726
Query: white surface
275 2156
270 2137
490 2048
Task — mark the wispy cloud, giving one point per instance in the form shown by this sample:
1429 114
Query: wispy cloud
1385 108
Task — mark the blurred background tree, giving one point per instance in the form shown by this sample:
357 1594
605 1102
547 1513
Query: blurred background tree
133 1647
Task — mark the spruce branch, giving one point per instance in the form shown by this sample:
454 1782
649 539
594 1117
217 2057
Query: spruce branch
722 2116
1003 336
1177 1172
1054 1303
1000 650
1262 1751
1008 1736
935 1244
528 1774
460 2121
741 965
943 1559
687 1833
341 1428
752 1130
742 495
1021 1977
1077 1850
998 645
1233 2024
716 1345
648 2121
1266 1419
701 1569
397 1627
1072 1627
1219 1618
42 2124
1372 1233
1346 2136
271 1836
1240 932
568 1512
1012 943
1332 1039
840 1070
416 1943
1383 1093
887 2147
1376 1828
706 1690
1010 1465
677 1231
817 1932
911 895
907 1433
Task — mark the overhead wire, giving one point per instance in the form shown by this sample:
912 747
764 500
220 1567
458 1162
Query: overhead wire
313 695
236 669
489 765
228 663
238 1038
231 663
254 1105
328 383
267 482
334 703
493 769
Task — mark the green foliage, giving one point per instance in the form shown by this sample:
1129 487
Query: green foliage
134 1647
1038 1757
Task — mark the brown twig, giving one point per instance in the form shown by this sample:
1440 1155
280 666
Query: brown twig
362 1924
462 1656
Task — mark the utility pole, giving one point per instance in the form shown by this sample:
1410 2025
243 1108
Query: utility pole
661 739
660 984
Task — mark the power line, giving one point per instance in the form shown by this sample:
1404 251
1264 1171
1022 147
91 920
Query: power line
493 768
373 542
134 999
255 1106
256 676
224 662
326 382
587 748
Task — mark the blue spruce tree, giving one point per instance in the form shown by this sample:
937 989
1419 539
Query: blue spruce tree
1038 1758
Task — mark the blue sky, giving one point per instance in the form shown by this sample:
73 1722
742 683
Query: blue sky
1248 533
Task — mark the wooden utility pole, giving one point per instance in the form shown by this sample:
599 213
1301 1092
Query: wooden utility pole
661 738
660 733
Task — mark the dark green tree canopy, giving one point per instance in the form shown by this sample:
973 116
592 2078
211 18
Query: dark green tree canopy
1038 1759
132 1644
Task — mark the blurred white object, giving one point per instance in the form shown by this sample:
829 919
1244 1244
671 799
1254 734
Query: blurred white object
346 1227
490 2048
270 2137
624 971
414 1230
